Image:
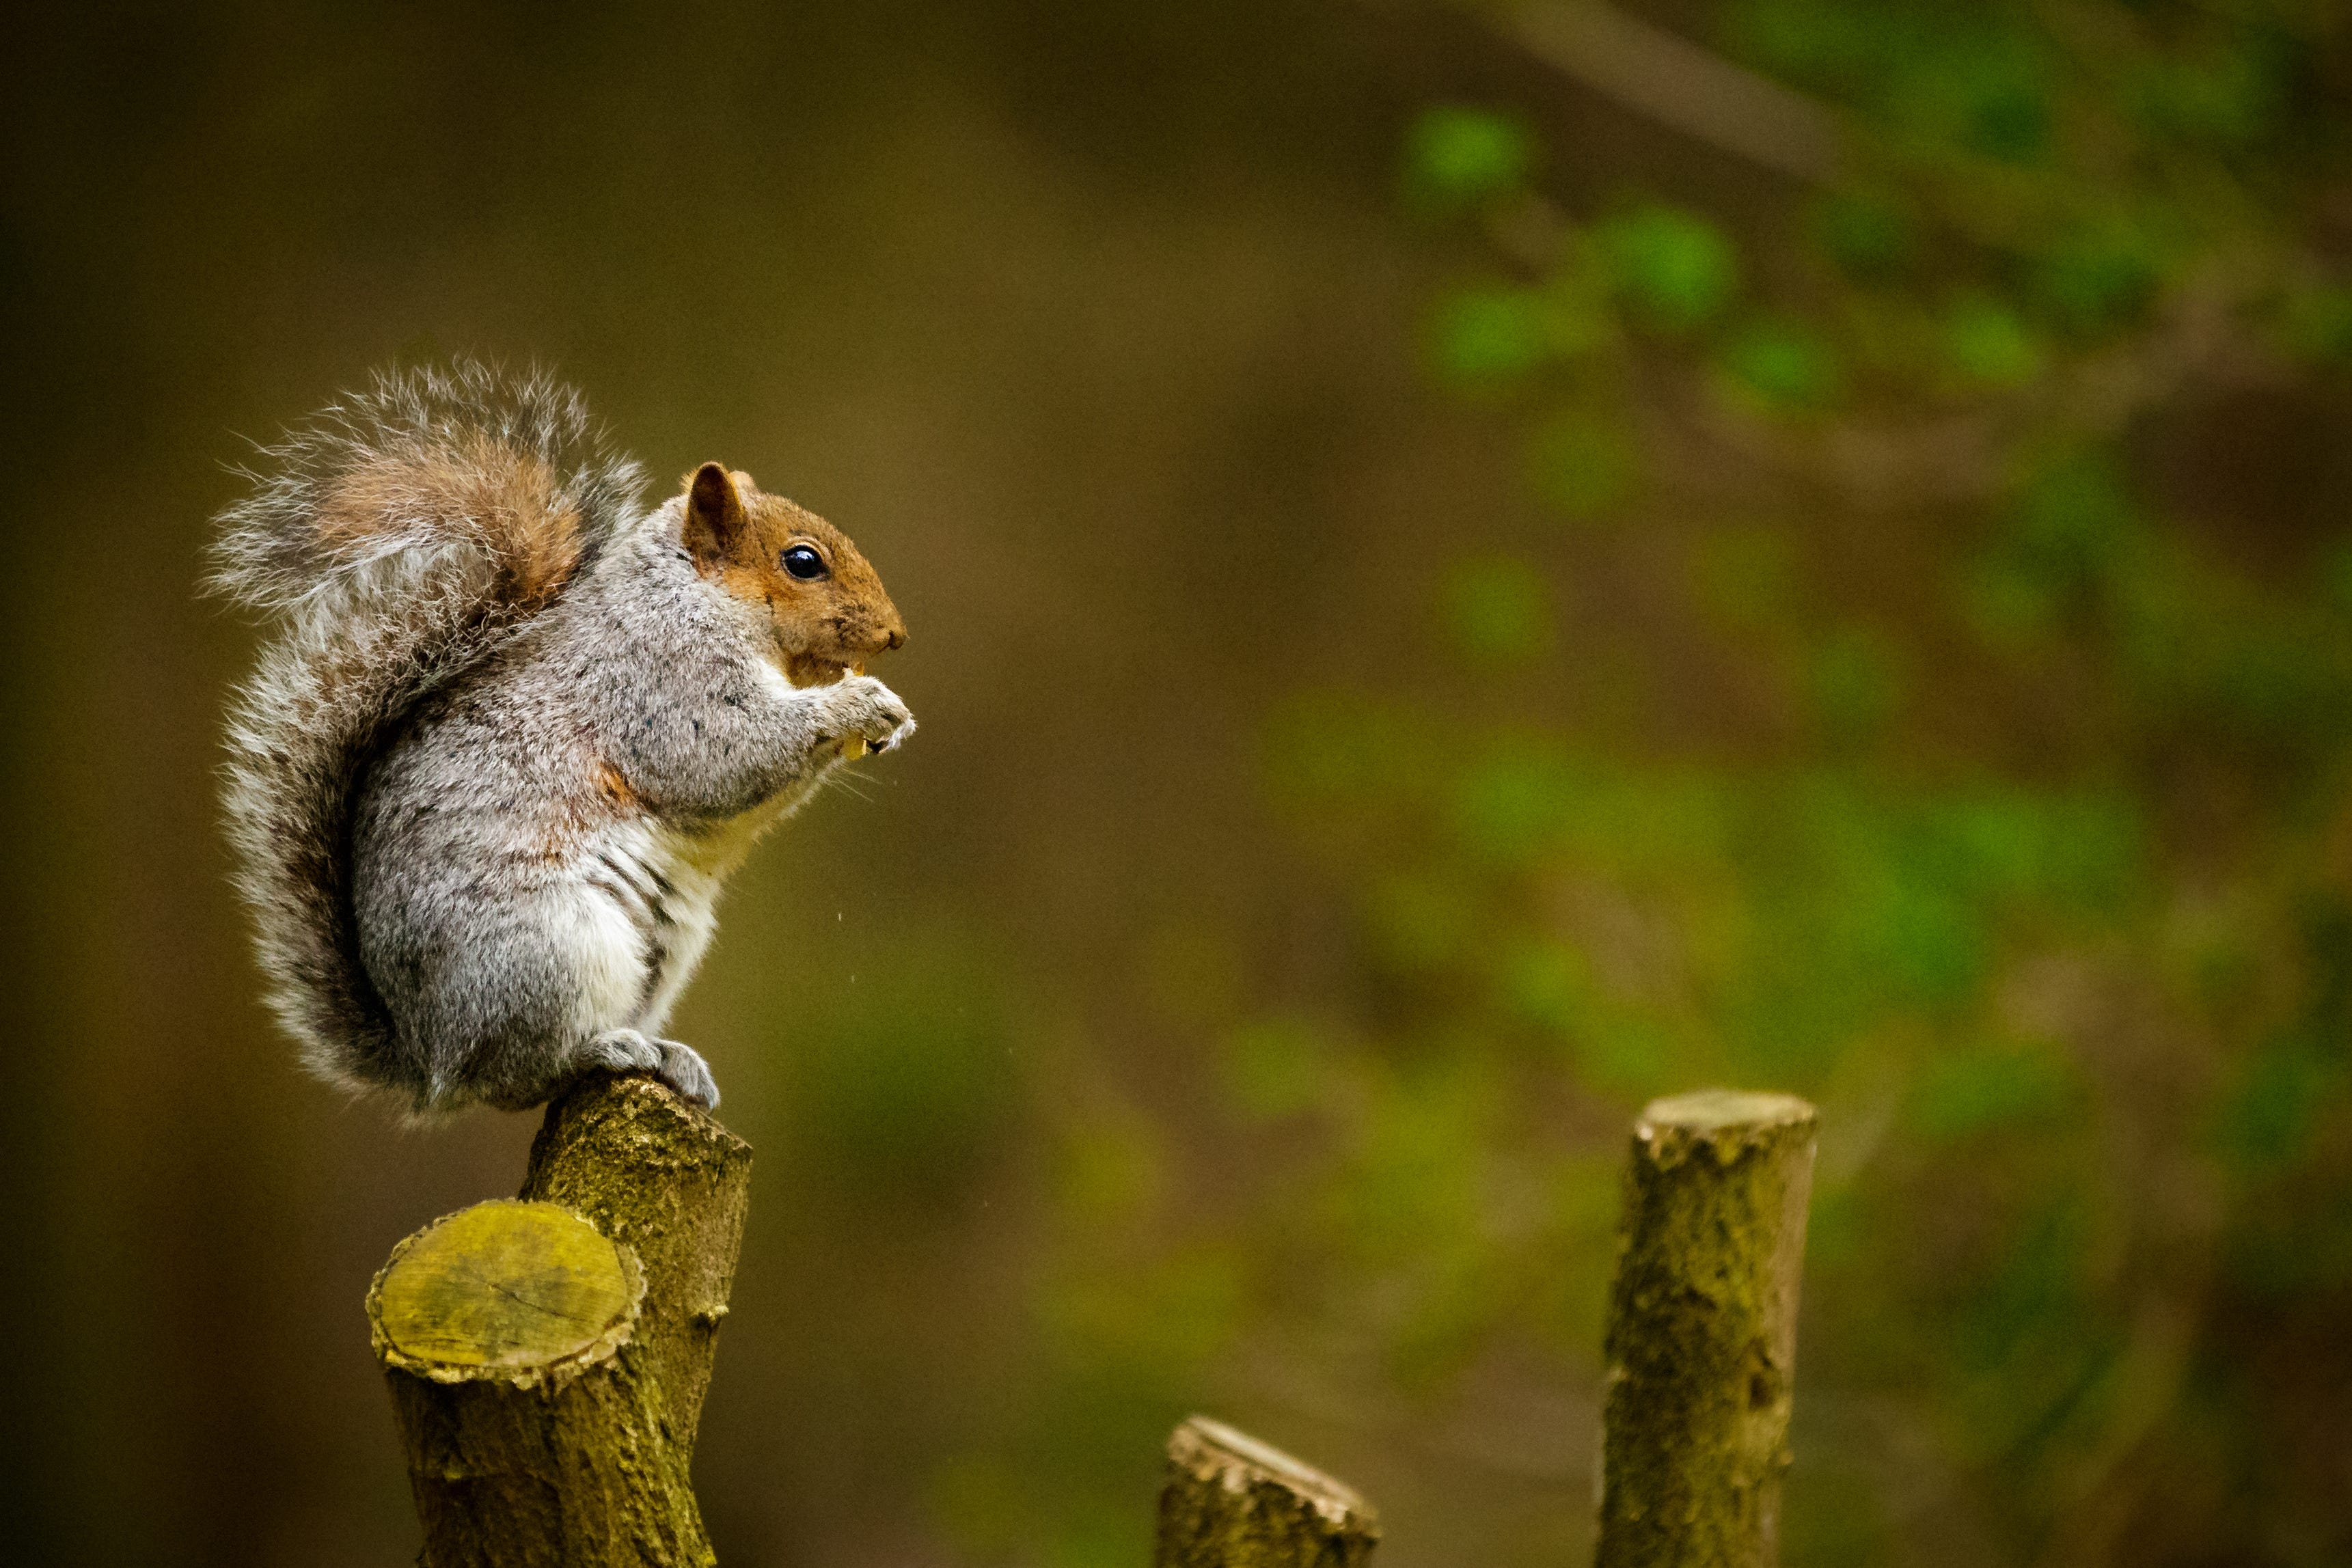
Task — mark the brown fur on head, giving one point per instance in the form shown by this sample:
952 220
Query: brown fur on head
740 538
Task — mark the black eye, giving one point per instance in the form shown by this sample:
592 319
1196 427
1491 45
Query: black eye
803 563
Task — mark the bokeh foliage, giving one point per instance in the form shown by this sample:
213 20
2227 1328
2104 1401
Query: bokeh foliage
2023 843
1878 631
2025 846
2016 833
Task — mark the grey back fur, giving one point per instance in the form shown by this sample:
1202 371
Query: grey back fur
372 622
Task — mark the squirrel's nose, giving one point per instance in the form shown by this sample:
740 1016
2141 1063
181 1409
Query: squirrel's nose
897 638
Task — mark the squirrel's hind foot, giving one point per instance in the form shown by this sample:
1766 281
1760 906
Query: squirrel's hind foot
679 1066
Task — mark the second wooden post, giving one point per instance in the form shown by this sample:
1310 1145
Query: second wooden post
1702 1342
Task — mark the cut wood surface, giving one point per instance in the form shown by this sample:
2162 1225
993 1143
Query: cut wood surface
1231 1502
506 1285
1702 1339
547 1356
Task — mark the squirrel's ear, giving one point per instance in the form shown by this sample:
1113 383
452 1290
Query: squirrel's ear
716 527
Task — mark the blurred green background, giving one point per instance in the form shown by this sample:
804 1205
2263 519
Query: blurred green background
1467 568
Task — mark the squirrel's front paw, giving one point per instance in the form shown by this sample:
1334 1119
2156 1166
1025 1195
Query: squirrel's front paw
863 715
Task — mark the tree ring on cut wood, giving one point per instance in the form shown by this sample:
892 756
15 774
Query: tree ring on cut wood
505 1291
1724 1123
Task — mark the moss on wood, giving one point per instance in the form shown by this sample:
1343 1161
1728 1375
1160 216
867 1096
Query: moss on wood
548 1357
1231 1502
1701 1336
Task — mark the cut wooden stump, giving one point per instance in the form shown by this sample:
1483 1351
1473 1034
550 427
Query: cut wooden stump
1231 1502
1702 1340
548 1355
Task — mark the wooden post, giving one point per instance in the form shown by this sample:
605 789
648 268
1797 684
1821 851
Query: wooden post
1231 1501
1702 1339
547 1356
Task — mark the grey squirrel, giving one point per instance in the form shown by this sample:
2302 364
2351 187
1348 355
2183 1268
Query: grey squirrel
515 730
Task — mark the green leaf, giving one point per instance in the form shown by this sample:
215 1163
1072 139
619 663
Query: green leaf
2270 1115
1988 346
1458 156
1785 365
2009 117
2075 516
1677 268
1547 984
1513 799
1485 335
2101 276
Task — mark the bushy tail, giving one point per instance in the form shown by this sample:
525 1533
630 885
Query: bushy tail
399 539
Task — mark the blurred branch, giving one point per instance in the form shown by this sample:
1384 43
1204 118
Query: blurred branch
1675 82
2199 338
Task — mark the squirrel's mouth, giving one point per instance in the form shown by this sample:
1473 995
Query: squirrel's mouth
808 670
803 670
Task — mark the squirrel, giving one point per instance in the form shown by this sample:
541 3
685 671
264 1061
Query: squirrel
515 730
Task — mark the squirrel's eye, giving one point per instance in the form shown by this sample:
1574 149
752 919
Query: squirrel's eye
803 563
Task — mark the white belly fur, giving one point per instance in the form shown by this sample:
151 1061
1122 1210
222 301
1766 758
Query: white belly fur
615 935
